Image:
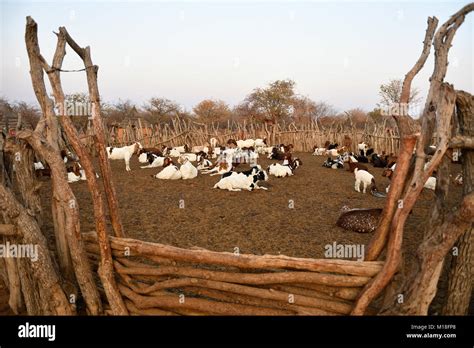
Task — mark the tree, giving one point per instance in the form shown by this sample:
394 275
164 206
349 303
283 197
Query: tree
120 111
212 111
391 92
356 117
307 110
161 110
247 111
30 114
276 102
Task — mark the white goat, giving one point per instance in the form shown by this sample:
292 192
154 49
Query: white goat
188 171
242 181
170 172
333 153
268 149
279 170
224 165
156 161
181 149
363 177
204 164
193 157
430 183
319 151
38 165
174 153
245 143
213 142
143 158
203 148
125 153
285 169
363 147
260 143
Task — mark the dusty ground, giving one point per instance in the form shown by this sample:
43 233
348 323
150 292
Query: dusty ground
258 222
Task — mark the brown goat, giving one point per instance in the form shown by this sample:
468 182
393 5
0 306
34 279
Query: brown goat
153 150
358 165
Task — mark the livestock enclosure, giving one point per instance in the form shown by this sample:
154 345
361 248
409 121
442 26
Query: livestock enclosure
117 240
304 137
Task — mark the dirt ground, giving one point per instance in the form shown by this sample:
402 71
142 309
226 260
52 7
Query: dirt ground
258 222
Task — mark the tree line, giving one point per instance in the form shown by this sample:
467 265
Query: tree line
278 102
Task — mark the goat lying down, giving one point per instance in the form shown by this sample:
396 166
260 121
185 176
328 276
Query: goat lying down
204 163
188 171
285 169
247 180
319 151
429 184
170 172
153 161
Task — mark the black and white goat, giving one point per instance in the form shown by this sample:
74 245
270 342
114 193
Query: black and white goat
336 163
170 171
124 153
286 169
247 180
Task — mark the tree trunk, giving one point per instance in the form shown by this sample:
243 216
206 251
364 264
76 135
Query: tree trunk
460 274
42 270
48 124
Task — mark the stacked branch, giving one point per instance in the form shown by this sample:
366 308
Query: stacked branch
155 277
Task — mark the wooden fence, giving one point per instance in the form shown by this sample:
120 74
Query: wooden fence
157 279
303 137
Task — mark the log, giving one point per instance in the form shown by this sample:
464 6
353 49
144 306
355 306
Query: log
43 269
357 268
8 230
328 305
209 307
258 302
134 310
339 292
378 241
249 278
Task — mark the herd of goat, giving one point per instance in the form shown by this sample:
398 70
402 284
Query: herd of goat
213 159
183 162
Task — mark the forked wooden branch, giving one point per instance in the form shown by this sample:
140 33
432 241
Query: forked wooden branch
99 132
379 240
447 97
111 290
389 268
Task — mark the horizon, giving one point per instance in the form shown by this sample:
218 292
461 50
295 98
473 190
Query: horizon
195 50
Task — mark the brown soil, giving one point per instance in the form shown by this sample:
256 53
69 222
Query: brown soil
258 222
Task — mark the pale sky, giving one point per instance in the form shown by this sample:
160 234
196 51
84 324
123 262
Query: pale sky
187 51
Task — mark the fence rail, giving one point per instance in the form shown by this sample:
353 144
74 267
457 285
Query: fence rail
157 279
